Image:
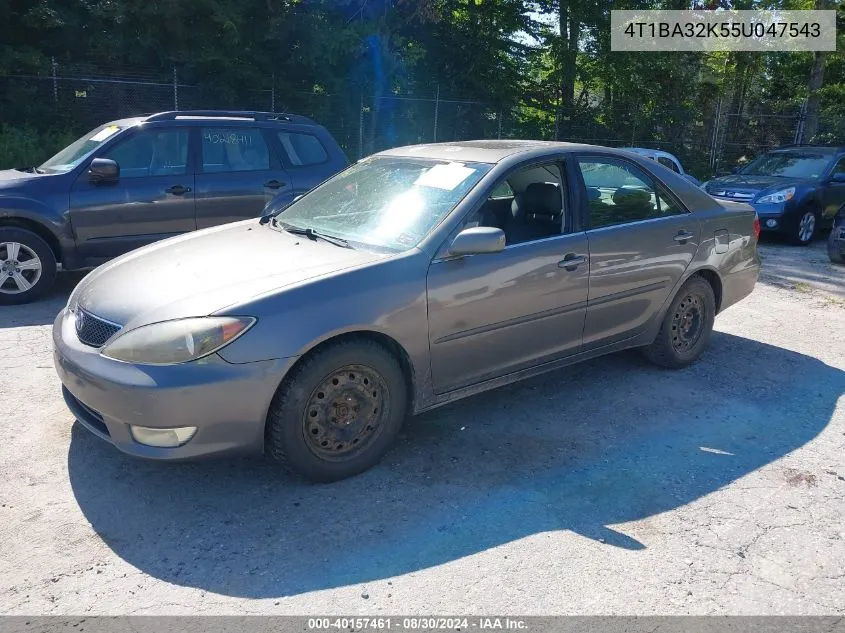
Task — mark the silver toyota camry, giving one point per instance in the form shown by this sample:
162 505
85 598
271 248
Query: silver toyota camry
415 277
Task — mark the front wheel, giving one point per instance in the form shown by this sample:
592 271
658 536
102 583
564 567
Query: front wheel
836 240
338 412
805 230
27 266
687 326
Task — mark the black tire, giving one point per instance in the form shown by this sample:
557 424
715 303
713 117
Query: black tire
676 347
836 242
27 244
797 236
308 411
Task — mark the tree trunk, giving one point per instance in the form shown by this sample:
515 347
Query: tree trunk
811 124
570 28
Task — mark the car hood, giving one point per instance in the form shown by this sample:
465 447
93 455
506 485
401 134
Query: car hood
750 183
204 272
10 178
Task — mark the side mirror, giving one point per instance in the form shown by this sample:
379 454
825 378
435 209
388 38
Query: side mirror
103 170
838 177
478 240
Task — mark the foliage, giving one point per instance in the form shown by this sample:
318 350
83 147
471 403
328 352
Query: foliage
511 55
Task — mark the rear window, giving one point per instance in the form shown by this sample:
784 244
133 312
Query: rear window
303 149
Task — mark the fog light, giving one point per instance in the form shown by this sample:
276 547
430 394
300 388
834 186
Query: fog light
162 438
771 223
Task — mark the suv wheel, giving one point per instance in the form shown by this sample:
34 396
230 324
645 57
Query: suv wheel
805 229
27 266
836 240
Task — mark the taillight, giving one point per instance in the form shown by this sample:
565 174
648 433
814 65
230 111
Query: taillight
756 227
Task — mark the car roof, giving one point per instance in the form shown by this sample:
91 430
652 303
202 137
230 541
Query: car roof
484 151
227 115
819 149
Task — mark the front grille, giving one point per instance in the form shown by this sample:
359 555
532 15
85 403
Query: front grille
92 330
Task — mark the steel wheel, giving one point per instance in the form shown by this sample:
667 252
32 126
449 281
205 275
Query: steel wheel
345 414
807 227
688 322
20 268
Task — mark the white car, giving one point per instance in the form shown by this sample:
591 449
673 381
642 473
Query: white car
664 158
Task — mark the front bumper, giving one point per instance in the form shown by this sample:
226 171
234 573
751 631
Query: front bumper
227 402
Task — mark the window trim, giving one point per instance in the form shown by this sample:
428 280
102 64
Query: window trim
660 188
271 158
136 132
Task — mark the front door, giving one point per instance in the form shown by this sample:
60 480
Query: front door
153 198
496 313
238 175
641 241
834 192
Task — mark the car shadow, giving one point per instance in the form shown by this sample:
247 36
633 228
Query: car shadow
581 449
45 309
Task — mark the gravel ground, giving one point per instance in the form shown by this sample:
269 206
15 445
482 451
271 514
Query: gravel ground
610 487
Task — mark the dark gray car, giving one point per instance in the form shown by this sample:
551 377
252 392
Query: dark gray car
134 181
415 277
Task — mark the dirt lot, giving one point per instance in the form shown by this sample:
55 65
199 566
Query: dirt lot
609 487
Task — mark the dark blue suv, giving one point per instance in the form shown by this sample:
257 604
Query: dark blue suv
795 190
131 182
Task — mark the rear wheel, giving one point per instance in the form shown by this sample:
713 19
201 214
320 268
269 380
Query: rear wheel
27 266
805 230
687 326
339 411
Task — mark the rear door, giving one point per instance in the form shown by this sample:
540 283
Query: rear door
641 240
153 198
238 174
305 156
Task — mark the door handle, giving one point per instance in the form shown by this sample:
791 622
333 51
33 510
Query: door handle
683 236
274 184
571 261
177 190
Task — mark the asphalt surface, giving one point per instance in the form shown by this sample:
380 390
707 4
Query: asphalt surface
610 487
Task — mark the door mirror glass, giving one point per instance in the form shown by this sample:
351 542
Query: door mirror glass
103 170
478 240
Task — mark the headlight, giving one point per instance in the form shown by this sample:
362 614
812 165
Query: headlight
179 341
779 196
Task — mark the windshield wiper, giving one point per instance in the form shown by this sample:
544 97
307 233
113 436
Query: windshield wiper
311 234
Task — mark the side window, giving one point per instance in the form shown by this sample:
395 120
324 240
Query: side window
619 193
152 153
233 149
527 206
839 168
303 149
668 162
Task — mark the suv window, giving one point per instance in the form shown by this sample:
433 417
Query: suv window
233 149
668 162
303 149
619 192
152 153
839 168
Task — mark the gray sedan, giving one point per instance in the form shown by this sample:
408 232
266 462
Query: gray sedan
415 277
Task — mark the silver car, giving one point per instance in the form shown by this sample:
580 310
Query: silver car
415 277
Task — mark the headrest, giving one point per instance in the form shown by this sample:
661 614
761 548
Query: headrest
539 202
631 196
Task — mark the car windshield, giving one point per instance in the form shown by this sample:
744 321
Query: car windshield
787 164
76 152
385 202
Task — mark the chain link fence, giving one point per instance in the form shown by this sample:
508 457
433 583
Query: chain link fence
79 97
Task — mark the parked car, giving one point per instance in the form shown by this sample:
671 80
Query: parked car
131 182
836 239
796 189
416 277
666 159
